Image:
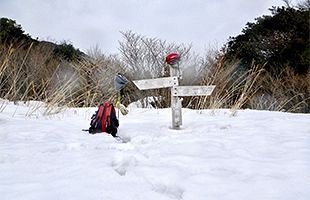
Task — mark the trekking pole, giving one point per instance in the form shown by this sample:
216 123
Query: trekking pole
118 102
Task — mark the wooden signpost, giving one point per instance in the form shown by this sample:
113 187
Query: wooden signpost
176 92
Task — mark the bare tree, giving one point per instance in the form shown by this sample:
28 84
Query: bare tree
288 3
144 58
305 4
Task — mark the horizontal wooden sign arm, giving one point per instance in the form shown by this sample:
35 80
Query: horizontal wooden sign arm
155 83
192 90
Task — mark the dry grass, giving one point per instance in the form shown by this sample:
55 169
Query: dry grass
233 87
285 91
255 89
30 72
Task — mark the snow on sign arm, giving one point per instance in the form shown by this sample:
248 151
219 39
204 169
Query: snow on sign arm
173 61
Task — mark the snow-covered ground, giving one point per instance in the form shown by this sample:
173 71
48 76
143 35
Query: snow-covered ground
255 155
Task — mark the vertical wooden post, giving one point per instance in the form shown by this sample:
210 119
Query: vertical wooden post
176 102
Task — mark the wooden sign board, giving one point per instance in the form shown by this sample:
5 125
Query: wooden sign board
176 91
156 83
192 90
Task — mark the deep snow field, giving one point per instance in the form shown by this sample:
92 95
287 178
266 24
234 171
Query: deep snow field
254 155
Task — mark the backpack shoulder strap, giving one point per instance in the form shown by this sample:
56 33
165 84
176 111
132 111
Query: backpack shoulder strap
106 118
100 111
98 116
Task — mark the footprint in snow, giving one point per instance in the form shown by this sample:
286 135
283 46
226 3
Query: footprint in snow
171 190
121 164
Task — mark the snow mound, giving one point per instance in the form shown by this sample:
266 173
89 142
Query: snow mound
253 155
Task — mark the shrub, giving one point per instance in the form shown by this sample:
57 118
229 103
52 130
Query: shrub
67 52
274 41
11 32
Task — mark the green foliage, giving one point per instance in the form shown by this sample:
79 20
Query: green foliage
67 52
11 32
274 41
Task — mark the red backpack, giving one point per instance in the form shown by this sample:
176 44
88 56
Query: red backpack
104 120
